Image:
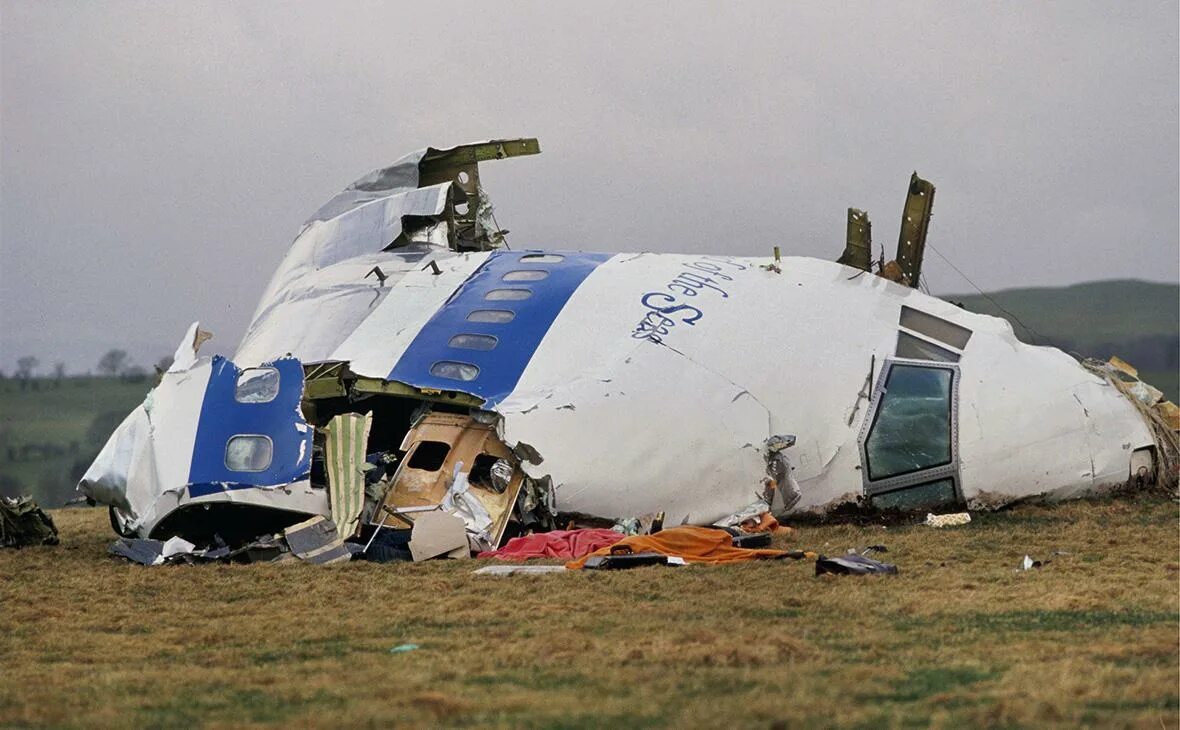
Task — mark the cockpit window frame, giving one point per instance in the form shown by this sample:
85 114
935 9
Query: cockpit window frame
949 470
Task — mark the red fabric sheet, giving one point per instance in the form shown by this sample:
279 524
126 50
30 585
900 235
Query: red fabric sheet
563 544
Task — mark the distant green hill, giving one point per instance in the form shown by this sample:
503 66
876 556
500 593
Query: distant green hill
50 430
1137 320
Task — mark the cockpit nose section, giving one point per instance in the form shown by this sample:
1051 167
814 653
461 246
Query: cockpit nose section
251 431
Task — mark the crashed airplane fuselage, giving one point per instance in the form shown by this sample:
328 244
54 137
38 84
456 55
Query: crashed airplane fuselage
511 386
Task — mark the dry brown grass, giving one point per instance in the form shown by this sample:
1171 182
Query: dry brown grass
958 638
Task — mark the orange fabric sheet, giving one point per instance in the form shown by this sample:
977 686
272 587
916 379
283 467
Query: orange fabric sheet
694 544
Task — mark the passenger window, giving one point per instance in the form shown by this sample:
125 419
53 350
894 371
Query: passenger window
257 385
429 455
507 295
473 342
912 427
541 258
248 453
454 370
495 316
526 275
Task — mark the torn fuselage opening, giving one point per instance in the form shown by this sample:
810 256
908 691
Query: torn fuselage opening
426 450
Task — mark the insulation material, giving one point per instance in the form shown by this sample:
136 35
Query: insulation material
347 436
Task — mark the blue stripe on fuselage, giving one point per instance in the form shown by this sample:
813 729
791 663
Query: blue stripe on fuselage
223 417
500 367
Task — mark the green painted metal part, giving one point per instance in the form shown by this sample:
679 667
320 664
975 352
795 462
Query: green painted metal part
468 209
915 223
392 387
858 245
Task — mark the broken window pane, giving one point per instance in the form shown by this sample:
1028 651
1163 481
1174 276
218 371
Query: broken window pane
921 496
507 295
257 385
473 342
454 370
497 316
248 453
912 427
541 258
532 275
429 455
913 348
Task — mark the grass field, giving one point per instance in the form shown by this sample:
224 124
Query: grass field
958 638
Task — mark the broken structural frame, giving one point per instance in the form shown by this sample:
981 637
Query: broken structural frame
449 453
911 240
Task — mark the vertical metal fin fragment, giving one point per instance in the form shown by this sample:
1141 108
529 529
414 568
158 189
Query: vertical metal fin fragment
915 223
858 246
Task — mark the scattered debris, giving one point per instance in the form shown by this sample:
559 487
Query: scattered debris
1029 564
626 560
23 523
561 544
958 518
137 550
690 544
403 648
317 541
752 540
438 534
853 564
174 546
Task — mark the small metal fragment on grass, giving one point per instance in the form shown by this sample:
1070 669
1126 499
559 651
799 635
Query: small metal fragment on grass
853 564
1028 563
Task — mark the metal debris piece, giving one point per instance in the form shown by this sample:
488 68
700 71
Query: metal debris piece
858 245
142 551
915 224
853 564
316 541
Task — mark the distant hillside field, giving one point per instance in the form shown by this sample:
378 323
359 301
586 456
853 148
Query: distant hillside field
50 430
1137 320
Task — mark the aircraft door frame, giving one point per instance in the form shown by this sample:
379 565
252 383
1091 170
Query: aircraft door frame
898 489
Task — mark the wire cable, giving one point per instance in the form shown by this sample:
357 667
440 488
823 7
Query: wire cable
986 296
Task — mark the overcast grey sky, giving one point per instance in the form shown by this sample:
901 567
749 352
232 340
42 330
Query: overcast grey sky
157 158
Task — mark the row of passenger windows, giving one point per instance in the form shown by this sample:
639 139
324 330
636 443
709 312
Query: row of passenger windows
465 371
